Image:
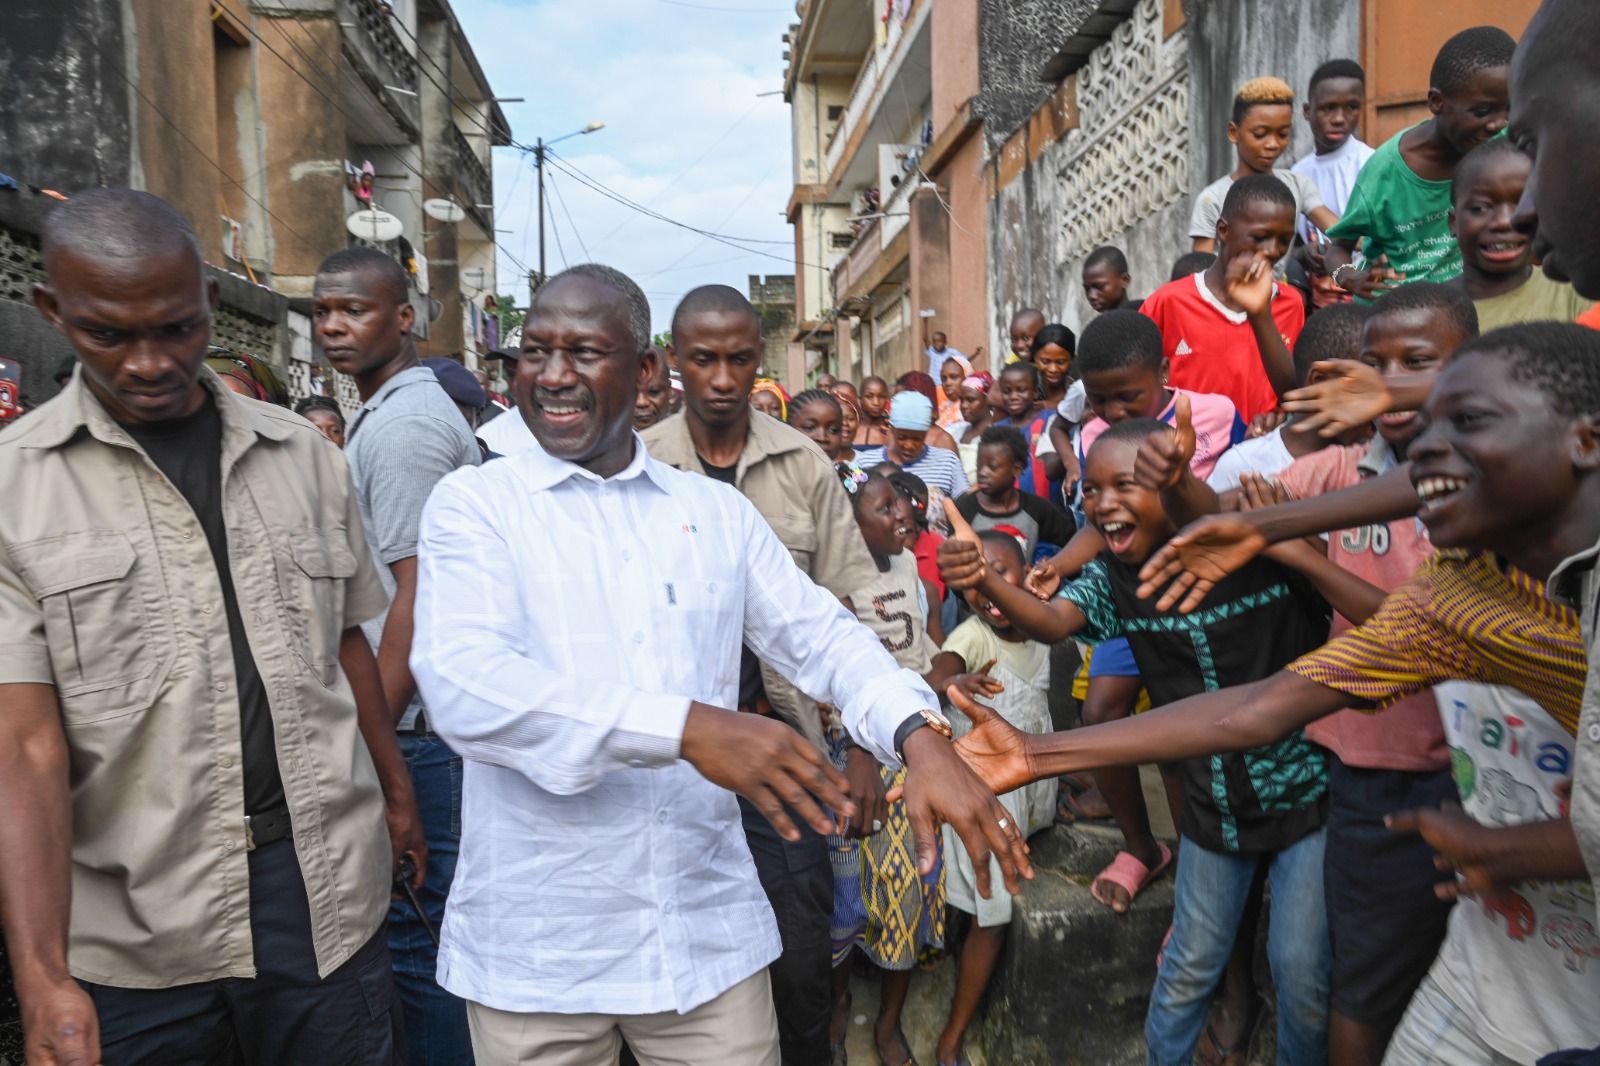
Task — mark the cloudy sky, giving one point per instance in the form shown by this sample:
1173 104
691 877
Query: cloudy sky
687 135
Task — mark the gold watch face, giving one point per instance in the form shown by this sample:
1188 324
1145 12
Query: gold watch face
942 728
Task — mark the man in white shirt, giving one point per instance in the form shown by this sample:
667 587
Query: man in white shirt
580 612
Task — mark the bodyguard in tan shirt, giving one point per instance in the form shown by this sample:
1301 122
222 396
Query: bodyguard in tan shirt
196 762
717 348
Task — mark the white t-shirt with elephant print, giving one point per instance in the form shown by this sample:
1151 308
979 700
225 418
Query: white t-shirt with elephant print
1525 964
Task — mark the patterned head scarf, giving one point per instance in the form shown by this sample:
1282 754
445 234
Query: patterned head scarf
768 385
257 375
982 382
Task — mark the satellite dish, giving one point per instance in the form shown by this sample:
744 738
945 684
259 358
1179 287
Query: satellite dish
474 278
374 224
444 210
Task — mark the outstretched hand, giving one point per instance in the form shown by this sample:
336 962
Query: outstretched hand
1044 580
995 749
961 561
768 764
1348 394
1203 553
942 789
1164 456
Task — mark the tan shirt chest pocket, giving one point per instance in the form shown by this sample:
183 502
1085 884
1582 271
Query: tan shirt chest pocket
94 618
312 587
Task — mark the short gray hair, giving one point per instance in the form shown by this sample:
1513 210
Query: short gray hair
117 224
638 303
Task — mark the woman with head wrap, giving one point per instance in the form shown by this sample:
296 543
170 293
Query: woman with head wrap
248 376
976 416
768 397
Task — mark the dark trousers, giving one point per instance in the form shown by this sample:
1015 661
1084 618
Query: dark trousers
798 880
435 1021
283 1015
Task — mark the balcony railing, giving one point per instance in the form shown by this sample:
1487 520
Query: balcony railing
473 183
373 20
873 70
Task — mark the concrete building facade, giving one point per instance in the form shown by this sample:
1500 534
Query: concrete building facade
963 157
254 118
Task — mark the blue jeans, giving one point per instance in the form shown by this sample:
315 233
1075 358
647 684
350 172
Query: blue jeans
1208 901
436 1021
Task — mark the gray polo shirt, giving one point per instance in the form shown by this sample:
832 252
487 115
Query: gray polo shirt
402 441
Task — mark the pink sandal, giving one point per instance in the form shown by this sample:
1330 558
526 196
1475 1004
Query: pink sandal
1129 874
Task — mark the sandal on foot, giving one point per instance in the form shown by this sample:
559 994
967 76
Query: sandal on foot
900 1038
1130 875
1069 811
1231 1055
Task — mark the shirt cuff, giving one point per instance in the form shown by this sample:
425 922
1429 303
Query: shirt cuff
650 731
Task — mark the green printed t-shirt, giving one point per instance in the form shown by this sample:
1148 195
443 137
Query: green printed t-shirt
1402 216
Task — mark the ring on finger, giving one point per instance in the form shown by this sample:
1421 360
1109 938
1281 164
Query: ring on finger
876 825
1005 823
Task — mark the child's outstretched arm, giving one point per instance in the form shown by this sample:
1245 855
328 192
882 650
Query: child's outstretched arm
962 566
1203 553
1044 579
1232 719
1355 599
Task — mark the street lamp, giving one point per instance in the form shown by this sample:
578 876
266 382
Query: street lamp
538 153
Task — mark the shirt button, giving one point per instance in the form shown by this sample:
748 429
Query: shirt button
228 846
188 534
222 686
227 763
626 555
638 637
1594 732
661 815
711 587
668 907
207 608
637 764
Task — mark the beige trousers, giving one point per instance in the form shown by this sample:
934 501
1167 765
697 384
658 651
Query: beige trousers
738 1028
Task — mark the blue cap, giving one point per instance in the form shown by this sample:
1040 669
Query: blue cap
910 410
457 381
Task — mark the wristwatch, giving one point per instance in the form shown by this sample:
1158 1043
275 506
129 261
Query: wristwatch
1342 266
925 717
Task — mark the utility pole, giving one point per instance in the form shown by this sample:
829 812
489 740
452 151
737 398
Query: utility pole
538 159
538 154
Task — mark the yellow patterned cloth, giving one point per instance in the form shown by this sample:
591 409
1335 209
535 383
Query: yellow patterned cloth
880 904
1462 617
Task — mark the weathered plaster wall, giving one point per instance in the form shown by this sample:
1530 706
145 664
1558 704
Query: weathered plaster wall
1230 43
1015 39
1122 176
70 128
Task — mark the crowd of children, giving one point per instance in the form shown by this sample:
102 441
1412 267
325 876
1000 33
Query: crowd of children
1438 438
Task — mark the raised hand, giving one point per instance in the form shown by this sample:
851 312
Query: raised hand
1043 580
1346 394
1265 423
978 683
1256 492
1164 456
1250 286
1203 553
961 554
768 764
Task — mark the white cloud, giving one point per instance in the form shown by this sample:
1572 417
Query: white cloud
686 134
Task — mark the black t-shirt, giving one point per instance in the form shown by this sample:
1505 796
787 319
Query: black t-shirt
189 452
1250 626
1041 521
751 688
